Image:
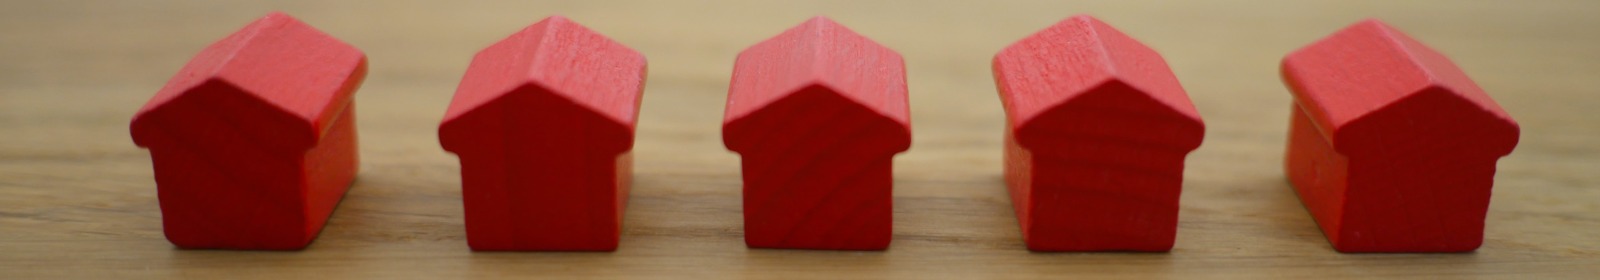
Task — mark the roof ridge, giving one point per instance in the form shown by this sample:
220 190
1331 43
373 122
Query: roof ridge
550 26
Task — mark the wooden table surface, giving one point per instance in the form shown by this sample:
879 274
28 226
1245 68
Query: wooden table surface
77 198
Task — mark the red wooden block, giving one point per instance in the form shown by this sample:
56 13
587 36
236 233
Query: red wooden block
1097 130
1391 147
817 113
254 141
544 123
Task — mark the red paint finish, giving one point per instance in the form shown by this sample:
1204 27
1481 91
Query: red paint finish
1392 147
544 124
817 113
1097 131
254 140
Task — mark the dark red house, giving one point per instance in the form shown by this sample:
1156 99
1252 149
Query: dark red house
1097 128
544 123
1392 147
254 141
818 113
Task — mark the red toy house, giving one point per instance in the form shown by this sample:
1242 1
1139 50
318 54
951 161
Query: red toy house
817 113
1097 131
254 141
1391 147
544 122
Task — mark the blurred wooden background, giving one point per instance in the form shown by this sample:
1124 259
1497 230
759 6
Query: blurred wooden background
77 199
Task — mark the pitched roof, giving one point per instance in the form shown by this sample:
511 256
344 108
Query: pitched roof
1075 56
1083 78
568 60
277 60
1369 70
819 52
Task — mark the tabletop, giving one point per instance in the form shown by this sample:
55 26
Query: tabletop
78 199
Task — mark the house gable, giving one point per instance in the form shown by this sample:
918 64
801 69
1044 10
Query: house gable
255 123
1432 121
1113 111
514 110
816 111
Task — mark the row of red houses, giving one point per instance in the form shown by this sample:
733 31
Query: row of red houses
1391 146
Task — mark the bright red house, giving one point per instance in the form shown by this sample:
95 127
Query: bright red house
544 123
1097 128
254 141
818 113
1392 147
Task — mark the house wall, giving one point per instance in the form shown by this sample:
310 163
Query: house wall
539 175
329 168
218 187
1091 201
1394 202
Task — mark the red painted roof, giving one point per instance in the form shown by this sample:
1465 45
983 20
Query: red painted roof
586 68
819 52
277 60
1083 60
1370 75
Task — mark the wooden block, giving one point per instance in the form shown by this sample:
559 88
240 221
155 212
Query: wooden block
544 123
1392 147
254 141
1097 128
817 113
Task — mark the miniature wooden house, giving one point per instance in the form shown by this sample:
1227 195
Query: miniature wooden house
544 124
1096 135
254 140
818 113
1392 147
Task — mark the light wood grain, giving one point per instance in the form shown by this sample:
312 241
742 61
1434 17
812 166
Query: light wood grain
77 199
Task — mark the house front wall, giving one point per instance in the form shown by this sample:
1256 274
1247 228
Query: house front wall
1390 203
818 172
219 190
1435 204
540 173
1101 196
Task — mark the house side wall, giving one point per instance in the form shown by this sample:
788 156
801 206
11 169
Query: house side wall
1019 180
329 168
1318 174
624 179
